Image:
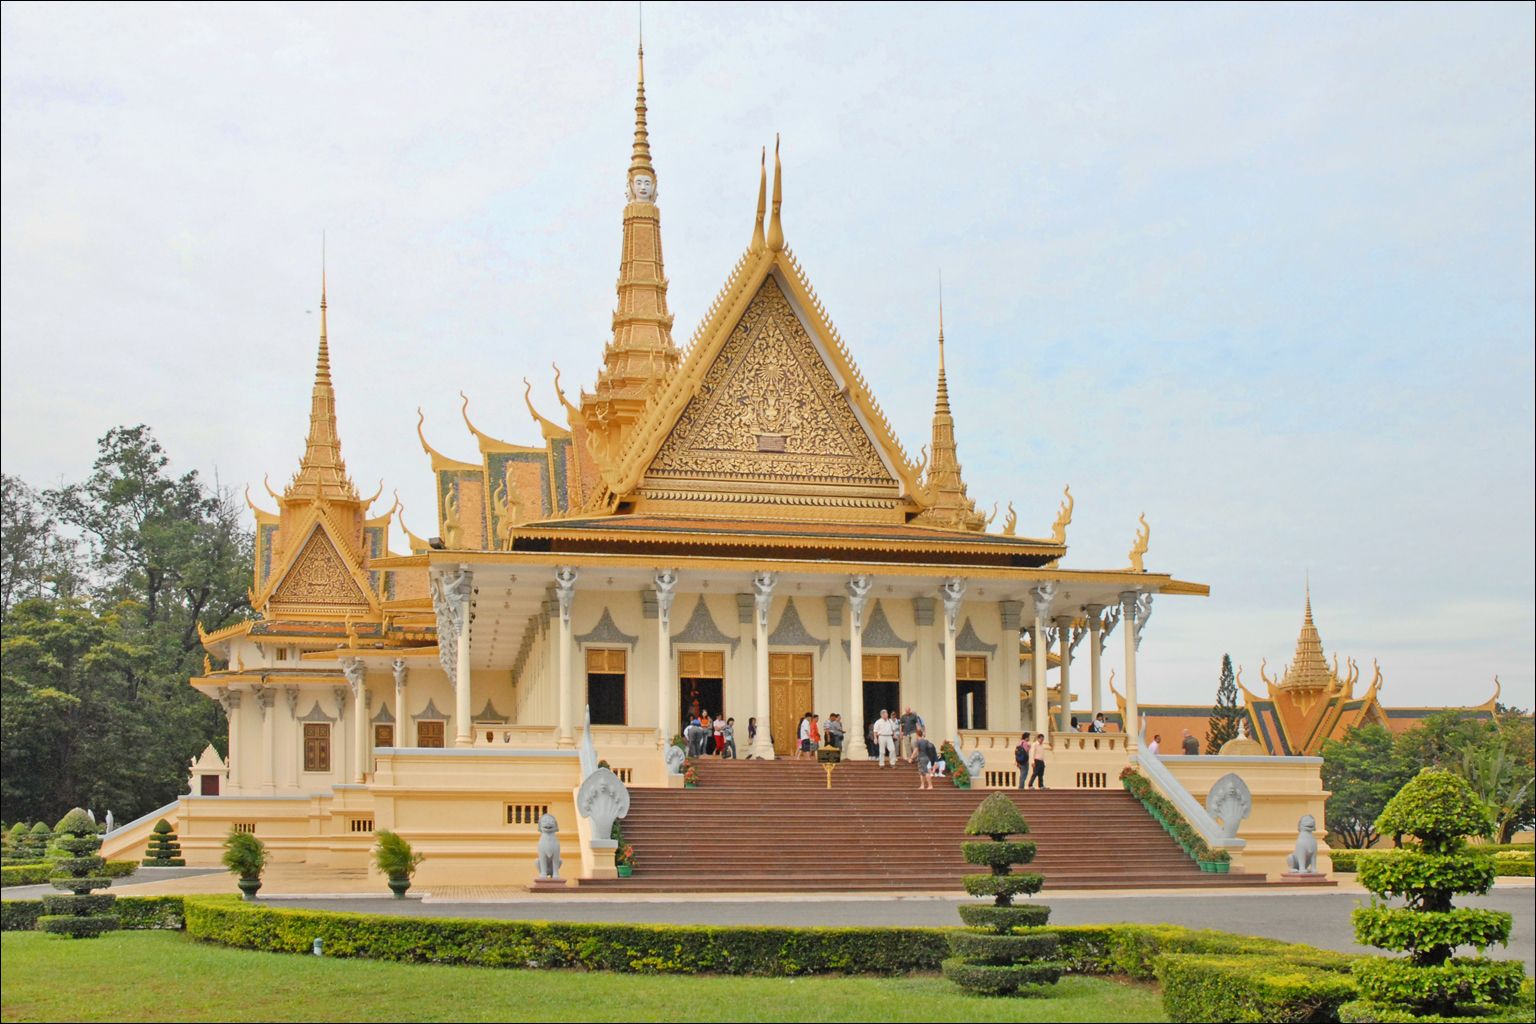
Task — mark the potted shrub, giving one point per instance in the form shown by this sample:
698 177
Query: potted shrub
245 856
690 775
394 858
624 860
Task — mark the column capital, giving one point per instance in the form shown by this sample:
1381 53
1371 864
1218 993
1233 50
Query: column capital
951 592
1093 611
1011 612
762 595
291 695
1043 595
1064 622
400 669
858 587
356 673
565 591
665 585
340 693
1128 602
460 585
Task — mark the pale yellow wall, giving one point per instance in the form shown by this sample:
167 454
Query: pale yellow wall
1283 788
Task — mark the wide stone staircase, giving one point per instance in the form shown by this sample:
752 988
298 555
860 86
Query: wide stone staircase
774 826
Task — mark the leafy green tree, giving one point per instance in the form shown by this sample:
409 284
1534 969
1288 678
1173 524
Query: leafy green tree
35 561
1502 778
101 635
1362 771
1225 715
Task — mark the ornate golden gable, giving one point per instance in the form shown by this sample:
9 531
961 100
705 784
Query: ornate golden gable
320 579
769 412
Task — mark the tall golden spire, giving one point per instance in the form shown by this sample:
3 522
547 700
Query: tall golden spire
322 474
951 507
641 354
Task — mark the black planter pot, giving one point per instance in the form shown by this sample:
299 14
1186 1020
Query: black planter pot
249 886
398 885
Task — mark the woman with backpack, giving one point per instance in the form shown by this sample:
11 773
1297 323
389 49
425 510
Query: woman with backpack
1021 758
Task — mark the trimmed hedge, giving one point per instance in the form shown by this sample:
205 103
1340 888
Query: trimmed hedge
648 949
1458 982
134 913
1132 949
1249 988
41 872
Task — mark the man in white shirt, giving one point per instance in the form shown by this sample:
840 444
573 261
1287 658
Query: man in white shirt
805 737
885 736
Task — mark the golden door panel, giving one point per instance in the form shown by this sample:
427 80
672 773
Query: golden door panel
789 697
701 664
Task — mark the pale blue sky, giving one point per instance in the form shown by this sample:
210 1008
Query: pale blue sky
1264 273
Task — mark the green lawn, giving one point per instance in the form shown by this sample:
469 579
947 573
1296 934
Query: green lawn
137 976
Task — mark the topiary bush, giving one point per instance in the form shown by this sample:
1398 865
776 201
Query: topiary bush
35 846
164 849
1438 810
991 959
78 915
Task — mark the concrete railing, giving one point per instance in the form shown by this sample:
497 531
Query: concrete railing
131 834
1182 799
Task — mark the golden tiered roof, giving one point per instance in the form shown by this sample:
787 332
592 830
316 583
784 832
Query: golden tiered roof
322 474
1308 670
950 506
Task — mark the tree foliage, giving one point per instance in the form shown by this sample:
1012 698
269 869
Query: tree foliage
105 582
1222 725
1368 766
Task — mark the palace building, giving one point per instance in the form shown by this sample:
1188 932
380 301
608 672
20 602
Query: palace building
729 524
1307 703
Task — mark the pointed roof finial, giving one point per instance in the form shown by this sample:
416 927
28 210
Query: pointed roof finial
640 158
1308 619
323 362
775 227
941 404
758 243
322 473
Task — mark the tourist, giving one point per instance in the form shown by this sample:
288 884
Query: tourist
926 754
693 737
885 736
751 735
707 737
1021 758
730 738
804 745
1157 741
1191 745
1037 761
1097 725
719 737
835 730
1075 727
908 734
815 733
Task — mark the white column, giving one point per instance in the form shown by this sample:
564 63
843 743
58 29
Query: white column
1095 653
357 681
461 597
1064 624
762 597
1040 655
565 593
265 698
854 748
339 760
231 702
1010 717
951 591
1128 615
398 666
666 686
295 743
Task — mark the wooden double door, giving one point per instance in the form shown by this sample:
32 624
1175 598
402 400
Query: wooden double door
790 679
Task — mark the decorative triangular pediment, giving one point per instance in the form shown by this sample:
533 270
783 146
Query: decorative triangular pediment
768 409
701 629
429 713
320 578
879 635
490 714
791 632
